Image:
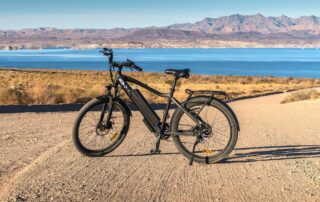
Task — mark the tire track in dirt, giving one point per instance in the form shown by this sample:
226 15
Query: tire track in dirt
122 183
128 170
10 180
163 183
229 175
142 179
203 182
166 175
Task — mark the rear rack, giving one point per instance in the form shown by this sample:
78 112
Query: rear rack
208 92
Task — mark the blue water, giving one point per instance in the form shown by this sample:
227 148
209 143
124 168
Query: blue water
284 62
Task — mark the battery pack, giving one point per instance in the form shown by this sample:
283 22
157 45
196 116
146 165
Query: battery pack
149 114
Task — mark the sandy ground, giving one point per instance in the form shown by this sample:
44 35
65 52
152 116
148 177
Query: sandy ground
277 158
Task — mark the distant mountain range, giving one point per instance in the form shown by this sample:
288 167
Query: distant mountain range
229 31
307 25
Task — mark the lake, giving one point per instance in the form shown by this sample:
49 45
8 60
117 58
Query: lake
278 62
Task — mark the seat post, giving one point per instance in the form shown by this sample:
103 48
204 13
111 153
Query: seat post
173 86
165 114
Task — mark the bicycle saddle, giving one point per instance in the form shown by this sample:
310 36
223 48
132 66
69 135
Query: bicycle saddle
179 73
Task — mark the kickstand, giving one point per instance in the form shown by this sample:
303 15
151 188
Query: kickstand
193 149
157 150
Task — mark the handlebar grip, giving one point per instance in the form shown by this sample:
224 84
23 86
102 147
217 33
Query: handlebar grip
137 68
109 53
107 50
134 66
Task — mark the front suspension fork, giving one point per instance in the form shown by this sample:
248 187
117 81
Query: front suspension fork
109 114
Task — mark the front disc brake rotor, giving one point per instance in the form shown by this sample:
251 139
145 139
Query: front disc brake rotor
101 130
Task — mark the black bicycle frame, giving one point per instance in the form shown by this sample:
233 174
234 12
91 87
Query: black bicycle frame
151 116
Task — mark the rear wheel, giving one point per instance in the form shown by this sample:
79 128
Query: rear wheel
216 144
94 138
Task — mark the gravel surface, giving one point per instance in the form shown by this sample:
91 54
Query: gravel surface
277 158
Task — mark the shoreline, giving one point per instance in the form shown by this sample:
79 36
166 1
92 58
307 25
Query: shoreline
165 47
165 44
97 48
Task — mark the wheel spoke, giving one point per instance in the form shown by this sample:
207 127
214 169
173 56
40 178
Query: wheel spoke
220 136
96 137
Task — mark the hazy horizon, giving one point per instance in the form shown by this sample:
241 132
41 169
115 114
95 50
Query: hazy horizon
99 14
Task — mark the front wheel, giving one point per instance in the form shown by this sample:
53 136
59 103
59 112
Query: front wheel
93 137
216 144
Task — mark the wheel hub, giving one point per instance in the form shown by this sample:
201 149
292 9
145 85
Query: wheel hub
101 129
206 132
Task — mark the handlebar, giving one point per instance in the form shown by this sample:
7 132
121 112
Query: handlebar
130 64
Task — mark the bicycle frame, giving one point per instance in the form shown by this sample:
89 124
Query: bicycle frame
160 127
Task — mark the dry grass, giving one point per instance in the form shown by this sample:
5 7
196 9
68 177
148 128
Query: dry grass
302 95
54 86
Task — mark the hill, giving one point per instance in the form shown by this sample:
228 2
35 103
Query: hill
228 31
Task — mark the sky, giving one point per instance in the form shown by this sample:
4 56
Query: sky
18 14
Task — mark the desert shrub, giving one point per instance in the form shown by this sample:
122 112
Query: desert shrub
253 92
41 95
235 94
301 95
13 96
71 95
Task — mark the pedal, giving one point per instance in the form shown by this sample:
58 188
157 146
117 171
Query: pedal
155 151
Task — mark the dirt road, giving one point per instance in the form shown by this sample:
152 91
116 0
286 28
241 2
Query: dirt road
277 158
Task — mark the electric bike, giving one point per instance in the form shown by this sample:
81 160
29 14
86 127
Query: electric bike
203 127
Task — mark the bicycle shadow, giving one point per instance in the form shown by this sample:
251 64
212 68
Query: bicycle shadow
273 153
144 154
256 154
